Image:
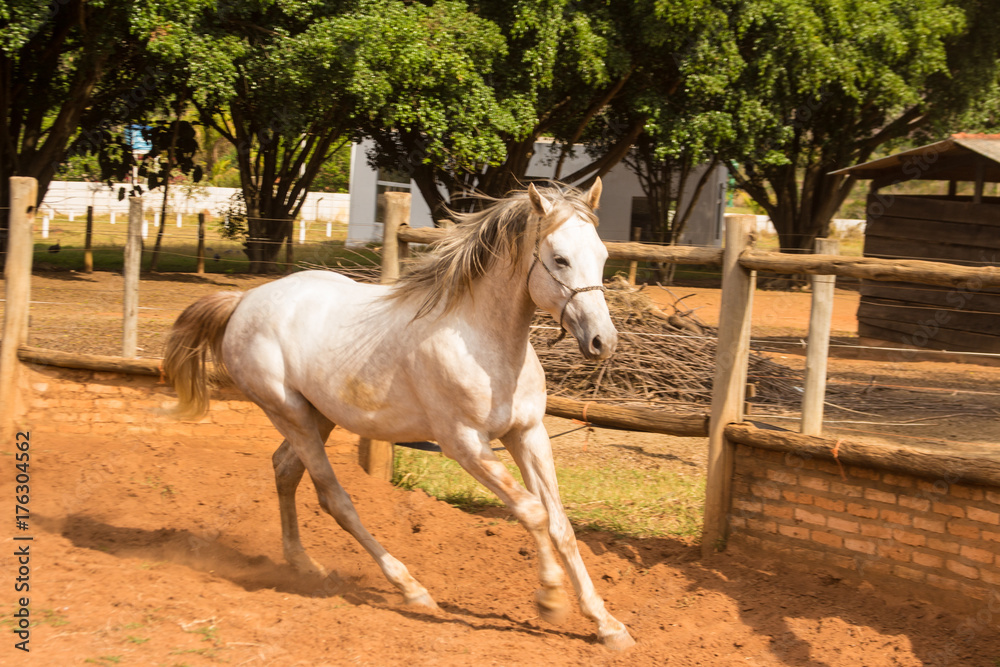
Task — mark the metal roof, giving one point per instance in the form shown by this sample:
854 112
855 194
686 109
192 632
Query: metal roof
961 158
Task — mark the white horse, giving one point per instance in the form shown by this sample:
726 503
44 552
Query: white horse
441 355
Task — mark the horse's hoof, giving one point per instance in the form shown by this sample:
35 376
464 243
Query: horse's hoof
552 605
304 564
618 641
422 600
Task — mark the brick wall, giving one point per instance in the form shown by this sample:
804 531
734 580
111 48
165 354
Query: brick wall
933 538
72 402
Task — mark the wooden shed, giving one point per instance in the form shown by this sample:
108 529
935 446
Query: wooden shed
959 229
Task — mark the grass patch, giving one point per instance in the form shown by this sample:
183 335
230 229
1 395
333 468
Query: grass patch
635 503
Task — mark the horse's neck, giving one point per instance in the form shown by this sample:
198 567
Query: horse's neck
501 306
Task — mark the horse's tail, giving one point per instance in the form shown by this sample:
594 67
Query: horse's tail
198 329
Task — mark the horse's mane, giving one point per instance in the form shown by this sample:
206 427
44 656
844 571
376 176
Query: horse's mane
504 229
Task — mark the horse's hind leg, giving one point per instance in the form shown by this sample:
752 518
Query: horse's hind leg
301 425
288 471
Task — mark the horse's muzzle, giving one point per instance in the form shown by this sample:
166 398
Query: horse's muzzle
597 347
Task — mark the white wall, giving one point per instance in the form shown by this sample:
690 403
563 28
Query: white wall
615 212
64 197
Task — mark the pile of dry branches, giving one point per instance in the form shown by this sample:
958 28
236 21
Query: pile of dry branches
664 357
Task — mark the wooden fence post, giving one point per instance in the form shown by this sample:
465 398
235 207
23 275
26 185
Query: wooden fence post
377 457
17 277
88 253
732 358
634 265
397 212
818 347
133 261
200 270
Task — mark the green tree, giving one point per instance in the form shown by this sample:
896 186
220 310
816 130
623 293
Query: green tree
56 60
824 85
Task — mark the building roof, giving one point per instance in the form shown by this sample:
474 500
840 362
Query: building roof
962 157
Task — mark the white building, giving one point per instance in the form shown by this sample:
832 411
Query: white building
622 203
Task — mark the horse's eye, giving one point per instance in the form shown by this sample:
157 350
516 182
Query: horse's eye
560 261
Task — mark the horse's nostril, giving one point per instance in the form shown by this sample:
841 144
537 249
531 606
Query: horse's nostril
596 343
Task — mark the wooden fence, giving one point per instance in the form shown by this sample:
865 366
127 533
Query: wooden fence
723 425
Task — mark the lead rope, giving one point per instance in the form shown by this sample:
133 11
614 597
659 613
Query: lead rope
573 290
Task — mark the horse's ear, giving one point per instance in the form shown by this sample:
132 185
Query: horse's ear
594 194
541 205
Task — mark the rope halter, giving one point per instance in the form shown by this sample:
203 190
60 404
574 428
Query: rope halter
573 290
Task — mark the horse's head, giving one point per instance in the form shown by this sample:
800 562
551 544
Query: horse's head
566 273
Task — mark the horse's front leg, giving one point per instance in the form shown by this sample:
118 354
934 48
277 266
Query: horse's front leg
532 451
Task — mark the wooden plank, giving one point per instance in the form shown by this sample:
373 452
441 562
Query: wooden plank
935 231
133 260
17 290
820 317
377 457
926 336
932 207
931 464
732 357
870 268
630 419
987 299
902 249
950 318
89 362
633 265
628 251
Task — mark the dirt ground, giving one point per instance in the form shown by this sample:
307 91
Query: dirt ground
167 552
160 552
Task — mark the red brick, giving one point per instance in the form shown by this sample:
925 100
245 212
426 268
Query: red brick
897 480
950 510
778 511
781 477
762 526
962 569
966 492
993 497
796 497
862 510
827 539
842 525
928 560
228 418
913 539
880 496
876 530
844 562
989 576
110 403
829 504
895 551
765 491
814 483
964 529
101 389
991 536
975 592
985 516
919 504
810 517
930 525
829 466
849 490
864 473
747 505
75 429
977 555
862 546
942 545
942 582
794 531
737 522
938 487
908 573
896 517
